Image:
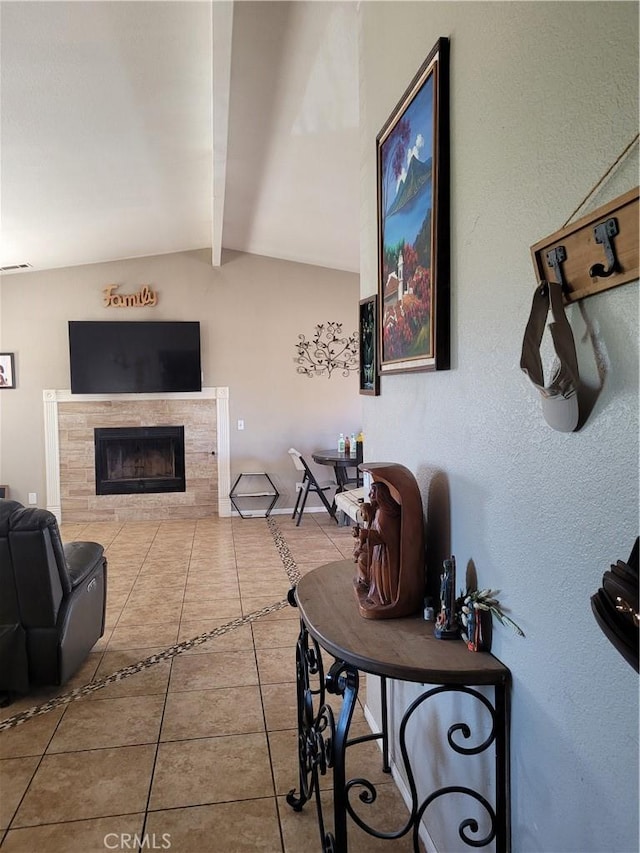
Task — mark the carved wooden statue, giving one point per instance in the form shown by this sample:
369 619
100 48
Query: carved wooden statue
361 547
389 550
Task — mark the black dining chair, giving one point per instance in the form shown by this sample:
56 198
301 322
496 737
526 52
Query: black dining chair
309 484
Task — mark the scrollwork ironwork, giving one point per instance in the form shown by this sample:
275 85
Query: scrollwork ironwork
468 823
311 755
369 793
323 742
463 728
368 796
329 349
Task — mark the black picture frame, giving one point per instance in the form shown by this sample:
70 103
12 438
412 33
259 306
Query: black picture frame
7 370
412 155
368 346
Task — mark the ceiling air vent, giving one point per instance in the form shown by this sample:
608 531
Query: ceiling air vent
14 267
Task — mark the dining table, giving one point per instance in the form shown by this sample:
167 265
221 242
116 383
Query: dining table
340 462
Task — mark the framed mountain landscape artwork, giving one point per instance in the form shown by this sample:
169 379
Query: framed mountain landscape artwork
413 223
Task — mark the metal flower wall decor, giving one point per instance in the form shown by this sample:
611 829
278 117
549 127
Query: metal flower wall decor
328 350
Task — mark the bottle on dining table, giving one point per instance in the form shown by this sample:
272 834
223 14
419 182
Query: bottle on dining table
341 443
352 445
347 445
359 447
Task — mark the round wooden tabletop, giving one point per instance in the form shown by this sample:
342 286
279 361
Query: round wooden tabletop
335 458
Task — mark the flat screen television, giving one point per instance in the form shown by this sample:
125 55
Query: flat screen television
134 357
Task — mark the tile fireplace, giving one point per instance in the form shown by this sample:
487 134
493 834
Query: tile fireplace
74 493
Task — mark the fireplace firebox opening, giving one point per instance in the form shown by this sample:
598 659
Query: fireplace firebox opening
139 460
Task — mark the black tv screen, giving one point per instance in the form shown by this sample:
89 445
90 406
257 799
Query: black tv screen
113 357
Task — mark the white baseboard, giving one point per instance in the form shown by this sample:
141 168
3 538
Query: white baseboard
285 511
280 511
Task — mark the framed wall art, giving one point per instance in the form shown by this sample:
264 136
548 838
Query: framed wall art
368 325
7 370
412 151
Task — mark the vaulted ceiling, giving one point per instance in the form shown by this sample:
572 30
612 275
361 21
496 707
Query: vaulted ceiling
139 128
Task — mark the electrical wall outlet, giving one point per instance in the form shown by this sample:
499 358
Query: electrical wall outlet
240 424
33 498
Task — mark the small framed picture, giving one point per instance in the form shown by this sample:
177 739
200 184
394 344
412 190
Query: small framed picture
7 370
369 376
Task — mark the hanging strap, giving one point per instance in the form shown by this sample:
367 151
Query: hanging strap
560 398
548 296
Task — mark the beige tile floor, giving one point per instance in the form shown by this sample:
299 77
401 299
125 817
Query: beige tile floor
194 754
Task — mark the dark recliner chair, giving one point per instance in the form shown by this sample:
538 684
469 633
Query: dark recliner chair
52 599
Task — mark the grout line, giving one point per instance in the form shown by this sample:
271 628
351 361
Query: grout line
293 574
164 704
146 554
132 669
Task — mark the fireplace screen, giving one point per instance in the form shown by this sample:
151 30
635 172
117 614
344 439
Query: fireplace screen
133 460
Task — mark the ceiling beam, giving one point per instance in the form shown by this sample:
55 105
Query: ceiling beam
222 27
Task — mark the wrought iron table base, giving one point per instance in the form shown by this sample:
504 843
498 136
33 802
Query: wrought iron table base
323 741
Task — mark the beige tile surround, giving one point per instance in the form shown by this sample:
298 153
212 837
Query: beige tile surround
76 423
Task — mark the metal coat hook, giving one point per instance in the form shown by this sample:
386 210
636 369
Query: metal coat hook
604 233
555 259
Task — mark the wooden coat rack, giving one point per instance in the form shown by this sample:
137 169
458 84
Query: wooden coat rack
594 253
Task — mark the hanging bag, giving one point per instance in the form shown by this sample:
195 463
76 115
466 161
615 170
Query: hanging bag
559 398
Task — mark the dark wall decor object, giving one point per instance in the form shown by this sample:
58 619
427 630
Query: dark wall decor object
368 323
594 253
329 349
413 223
7 370
616 609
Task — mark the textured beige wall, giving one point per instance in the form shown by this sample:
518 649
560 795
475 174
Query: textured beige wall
544 96
251 311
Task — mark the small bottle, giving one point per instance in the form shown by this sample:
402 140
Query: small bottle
341 443
352 446
347 446
429 612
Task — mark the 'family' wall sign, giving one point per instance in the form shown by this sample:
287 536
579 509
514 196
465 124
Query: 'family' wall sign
145 296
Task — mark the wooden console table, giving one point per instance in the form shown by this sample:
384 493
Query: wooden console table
403 649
